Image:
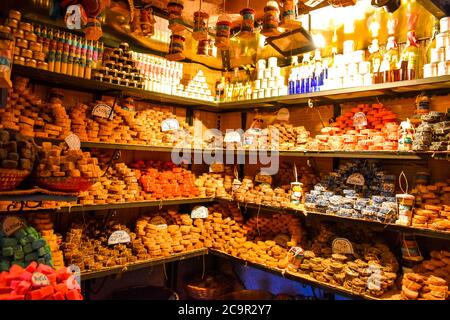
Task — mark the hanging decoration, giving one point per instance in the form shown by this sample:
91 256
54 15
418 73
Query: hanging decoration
176 47
201 21
135 25
223 32
75 17
175 8
289 15
248 23
271 19
147 22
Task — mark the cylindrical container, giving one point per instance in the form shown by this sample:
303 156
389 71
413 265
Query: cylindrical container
349 46
447 53
295 257
267 73
296 193
6 56
264 84
261 74
427 70
202 48
444 24
248 23
261 94
405 204
288 15
437 55
257 84
223 32
200 31
261 64
175 8
273 62
442 68
271 19
176 47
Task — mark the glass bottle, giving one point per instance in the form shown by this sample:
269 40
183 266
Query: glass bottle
432 43
410 55
375 59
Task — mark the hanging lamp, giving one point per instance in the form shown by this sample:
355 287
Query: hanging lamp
289 15
248 22
175 8
271 19
201 21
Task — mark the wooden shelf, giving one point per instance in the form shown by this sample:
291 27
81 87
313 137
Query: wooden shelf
74 83
429 233
392 89
142 264
302 278
117 206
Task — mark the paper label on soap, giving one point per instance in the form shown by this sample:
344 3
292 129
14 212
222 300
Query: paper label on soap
342 246
74 281
169 125
159 222
102 110
199 212
40 279
217 167
359 119
283 114
119 236
236 185
232 137
73 141
356 179
12 224
263 178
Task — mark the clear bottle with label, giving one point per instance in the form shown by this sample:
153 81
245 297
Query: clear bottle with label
375 59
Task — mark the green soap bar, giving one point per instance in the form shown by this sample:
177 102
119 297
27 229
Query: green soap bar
31 238
31 257
38 244
9 242
33 231
24 241
42 252
27 248
20 234
5 265
41 260
18 248
19 255
47 247
48 256
7 251
20 263
49 263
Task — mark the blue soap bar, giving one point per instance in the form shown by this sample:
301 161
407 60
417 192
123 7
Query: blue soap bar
20 234
9 242
27 248
38 244
31 257
7 251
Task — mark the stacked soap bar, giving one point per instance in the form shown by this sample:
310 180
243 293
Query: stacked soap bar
197 88
374 200
27 113
305 175
433 133
349 133
215 184
165 180
17 284
262 194
22 247
416 286
285 136
437 265
16 151
43 222
58 162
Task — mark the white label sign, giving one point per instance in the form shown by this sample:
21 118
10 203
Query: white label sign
200 212
356 179
342 246
40 279
102 110
12 224
119 236
73 282
232 137
359 119
283 114
169 125
73 141
159 222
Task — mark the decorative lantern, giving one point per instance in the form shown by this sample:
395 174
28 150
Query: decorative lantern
406 136
176 48
201 21
93 30
223 31
288 15
175 8
147 22
271 19
248 23
6 56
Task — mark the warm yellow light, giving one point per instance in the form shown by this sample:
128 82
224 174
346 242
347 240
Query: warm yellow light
374 27
319 40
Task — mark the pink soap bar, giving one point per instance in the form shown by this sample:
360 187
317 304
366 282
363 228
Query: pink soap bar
23 287
26 276
16 297
58 296
32 267
14 284
45 269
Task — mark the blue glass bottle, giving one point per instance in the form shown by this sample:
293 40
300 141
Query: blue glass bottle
298 85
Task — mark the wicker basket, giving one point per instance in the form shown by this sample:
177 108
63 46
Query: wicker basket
10 179
66 184
196 290
247 295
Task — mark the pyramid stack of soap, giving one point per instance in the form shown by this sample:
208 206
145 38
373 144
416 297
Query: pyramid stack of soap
197 88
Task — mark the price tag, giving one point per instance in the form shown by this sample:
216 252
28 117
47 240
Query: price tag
342 246
232 137
119 236
263 178
74 17
283 114
73 141
217 167
102 110
74 281
359 119
356 179
40 280
200 212
169 125
12 224
236 185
